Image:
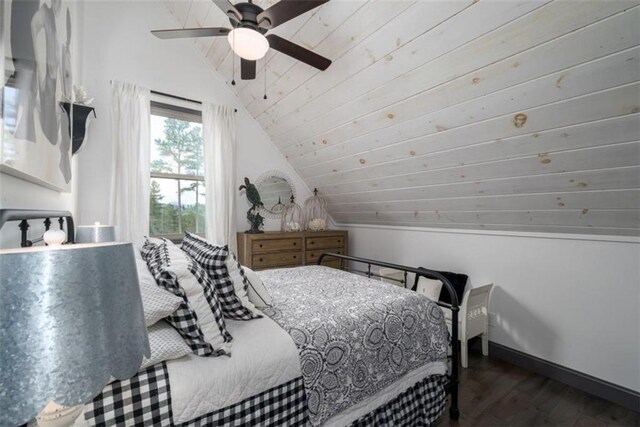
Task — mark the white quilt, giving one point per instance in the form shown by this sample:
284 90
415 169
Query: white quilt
263 356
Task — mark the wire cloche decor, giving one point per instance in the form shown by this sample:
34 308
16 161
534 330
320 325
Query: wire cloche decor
292 217
315 212
279 207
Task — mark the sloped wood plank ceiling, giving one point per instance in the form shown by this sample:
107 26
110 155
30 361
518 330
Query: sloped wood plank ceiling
500 115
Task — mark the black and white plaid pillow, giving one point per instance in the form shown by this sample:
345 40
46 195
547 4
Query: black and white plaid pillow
185 318
214 259
148 249
210 294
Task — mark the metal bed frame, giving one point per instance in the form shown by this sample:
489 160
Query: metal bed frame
24 215
452 385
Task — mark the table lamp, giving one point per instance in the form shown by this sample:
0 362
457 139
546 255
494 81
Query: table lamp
70 317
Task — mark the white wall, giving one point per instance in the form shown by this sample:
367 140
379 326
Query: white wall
572 302
119 46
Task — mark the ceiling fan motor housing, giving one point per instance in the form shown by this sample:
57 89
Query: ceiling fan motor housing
250 14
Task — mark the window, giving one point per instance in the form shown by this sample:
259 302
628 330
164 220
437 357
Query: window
177 200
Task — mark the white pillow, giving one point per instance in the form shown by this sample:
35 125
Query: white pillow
429 288
166 344
157 303
256 291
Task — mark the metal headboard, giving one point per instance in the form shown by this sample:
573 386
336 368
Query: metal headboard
24 215
452 386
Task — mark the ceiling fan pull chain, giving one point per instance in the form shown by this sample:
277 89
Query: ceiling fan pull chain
233 60
265 77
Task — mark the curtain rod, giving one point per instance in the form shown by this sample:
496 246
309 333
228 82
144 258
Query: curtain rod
155 92
181 98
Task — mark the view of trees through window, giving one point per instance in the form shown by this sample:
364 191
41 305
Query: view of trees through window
177 200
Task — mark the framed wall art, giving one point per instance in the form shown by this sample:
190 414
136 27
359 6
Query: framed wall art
36 50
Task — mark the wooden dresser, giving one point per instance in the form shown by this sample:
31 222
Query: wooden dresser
275 249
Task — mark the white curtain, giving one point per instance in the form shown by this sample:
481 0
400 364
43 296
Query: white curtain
130 180
219 132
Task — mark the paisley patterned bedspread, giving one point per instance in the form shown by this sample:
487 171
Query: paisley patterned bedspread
355 335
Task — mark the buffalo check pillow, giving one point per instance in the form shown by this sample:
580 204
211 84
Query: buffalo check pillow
225 273
199 319
149 247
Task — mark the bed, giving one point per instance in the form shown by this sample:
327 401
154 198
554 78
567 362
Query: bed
334 348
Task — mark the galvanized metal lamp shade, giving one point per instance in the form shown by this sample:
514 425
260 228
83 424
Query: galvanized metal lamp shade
70 317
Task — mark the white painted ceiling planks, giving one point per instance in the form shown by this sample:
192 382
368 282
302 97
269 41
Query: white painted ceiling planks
495 115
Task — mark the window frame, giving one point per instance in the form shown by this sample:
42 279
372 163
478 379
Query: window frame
173 111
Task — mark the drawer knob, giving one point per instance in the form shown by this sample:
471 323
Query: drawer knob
260 259
339 241
260 244
295 257
294 243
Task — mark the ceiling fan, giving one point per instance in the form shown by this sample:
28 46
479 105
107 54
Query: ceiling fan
250 24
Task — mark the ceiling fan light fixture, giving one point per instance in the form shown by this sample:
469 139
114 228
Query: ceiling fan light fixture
248 44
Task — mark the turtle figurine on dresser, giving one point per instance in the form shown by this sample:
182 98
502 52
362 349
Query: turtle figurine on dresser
253 214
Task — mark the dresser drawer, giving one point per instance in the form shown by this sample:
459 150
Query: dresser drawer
277 259
314 243
312 256
276 245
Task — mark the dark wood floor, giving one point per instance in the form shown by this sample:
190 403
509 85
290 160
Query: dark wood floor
495 393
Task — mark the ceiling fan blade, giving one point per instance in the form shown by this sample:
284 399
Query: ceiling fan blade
285 10
229 9
298 52
190 32
247 69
